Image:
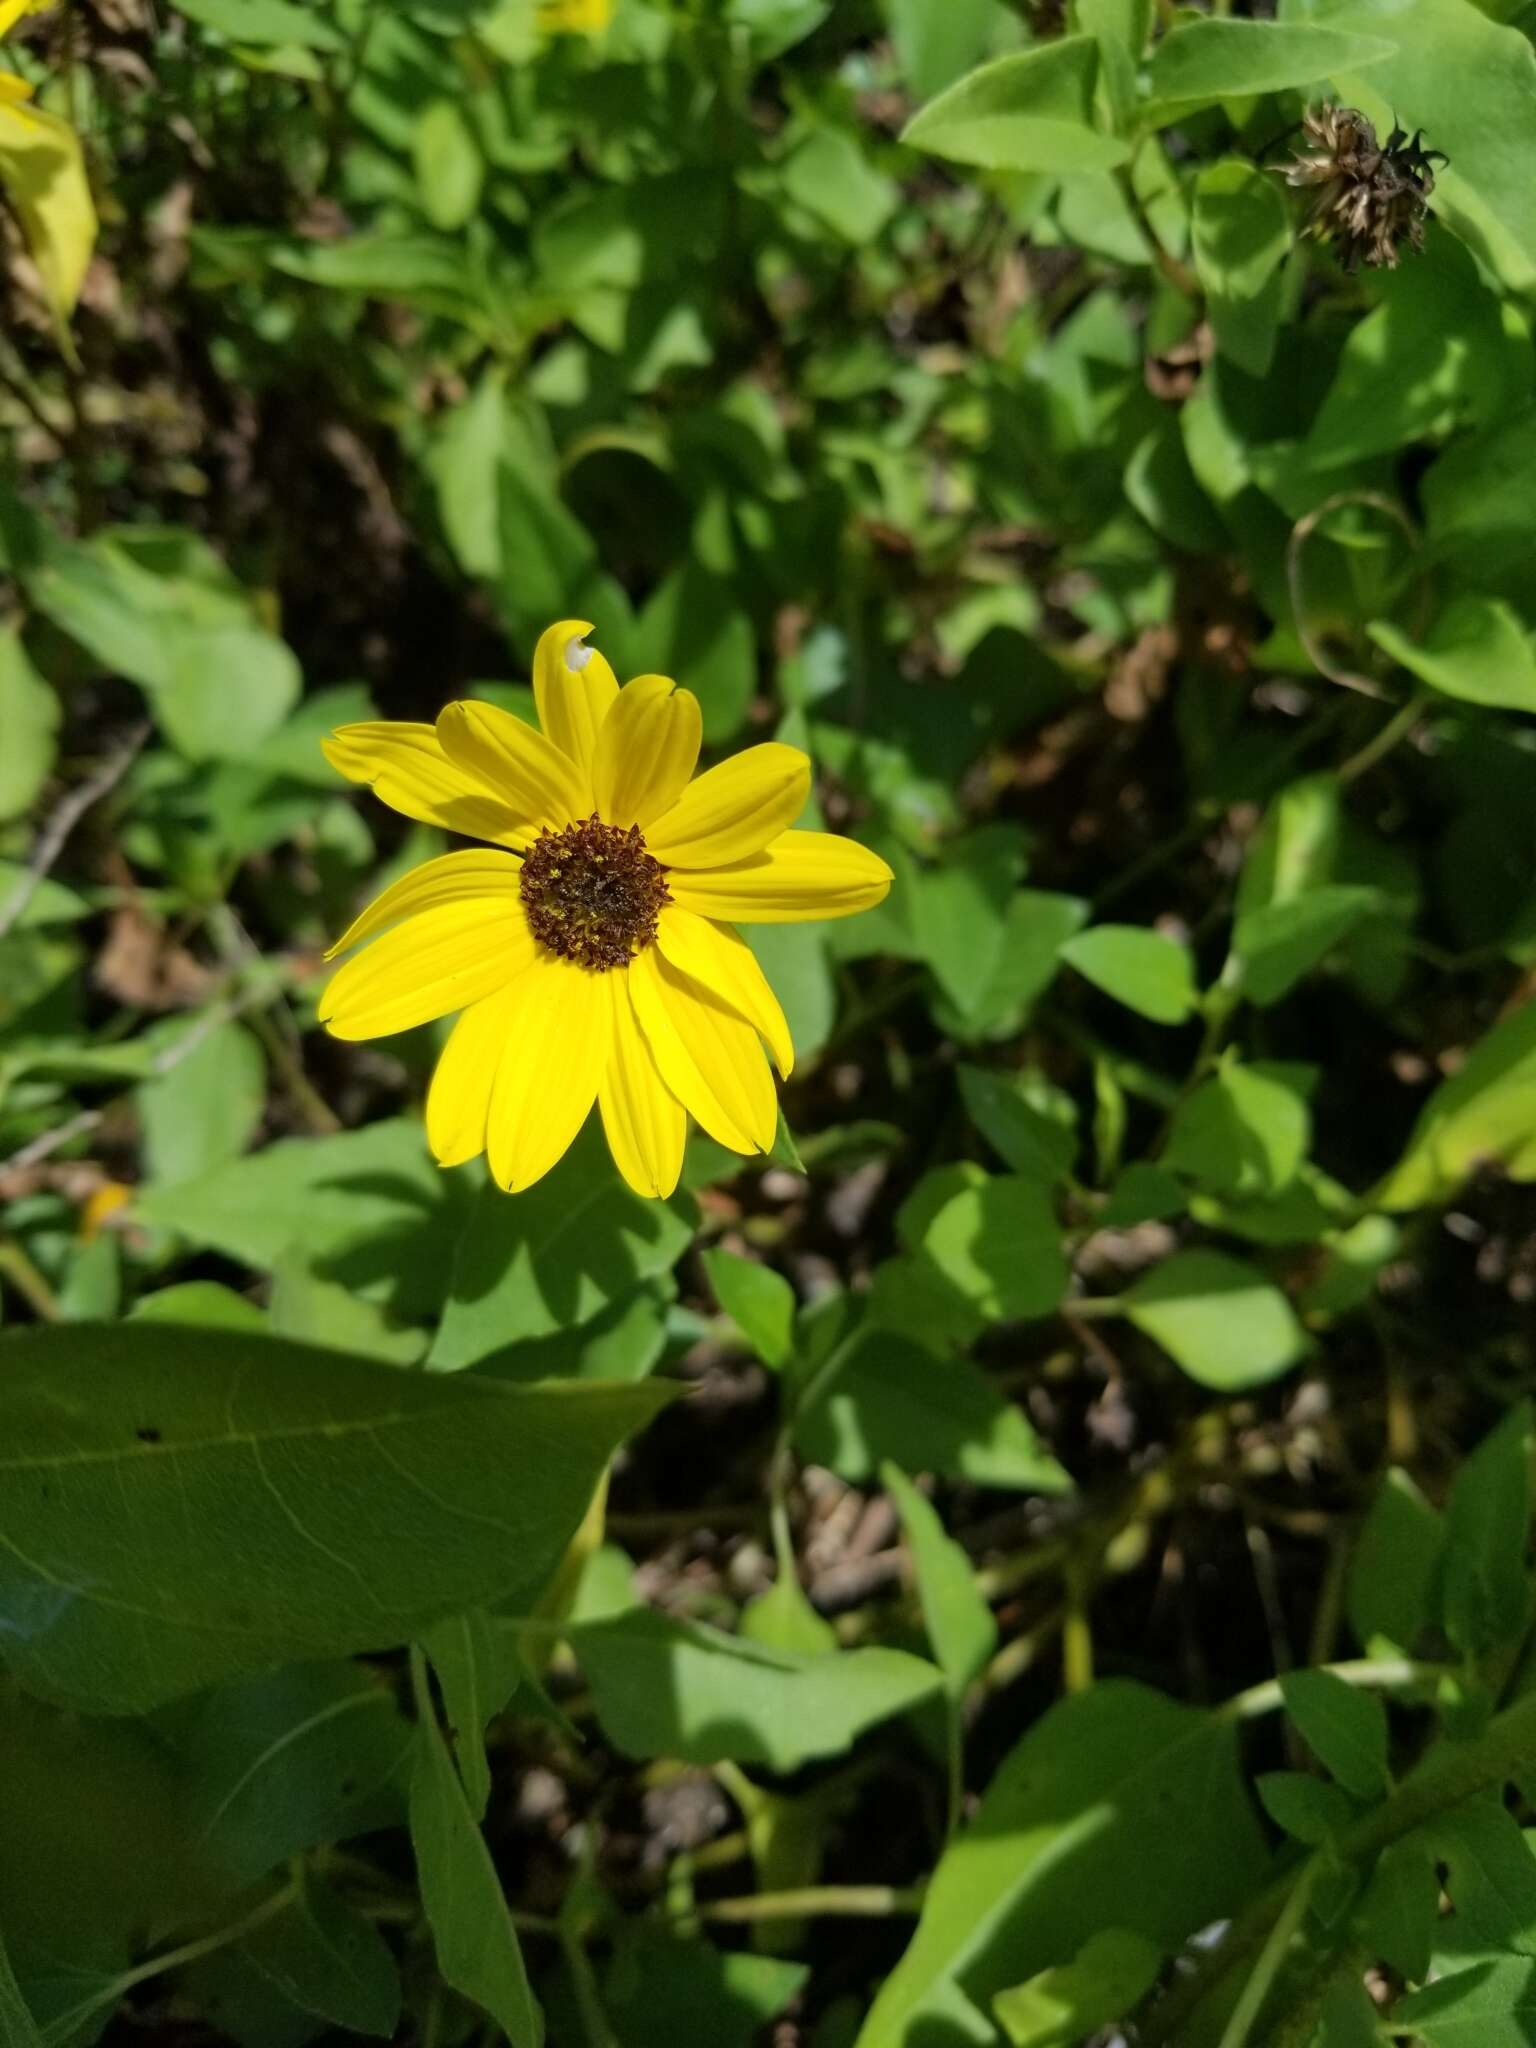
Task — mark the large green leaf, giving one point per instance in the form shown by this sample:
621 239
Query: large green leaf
1119 1809
1219 60
1492 2005
678 1689
1484 1114
29 719
1032 111
369 1207
476 1942
555 1257
1223 1322
1241 234
177 1506
1477 650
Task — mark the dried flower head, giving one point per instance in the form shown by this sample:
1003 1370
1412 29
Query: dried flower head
1371 197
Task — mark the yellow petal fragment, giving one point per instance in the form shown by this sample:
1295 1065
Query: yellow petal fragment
550 1068
711 1060
801 876
574 688
405 767
540 785
441 961
476 871
459 1099
726 965
643 1120
11 12
733 811
646 751
42 167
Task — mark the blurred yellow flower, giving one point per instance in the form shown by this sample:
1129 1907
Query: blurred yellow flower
596 959
42 168
574 17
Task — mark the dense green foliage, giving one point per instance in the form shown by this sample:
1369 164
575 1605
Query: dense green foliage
1076 1495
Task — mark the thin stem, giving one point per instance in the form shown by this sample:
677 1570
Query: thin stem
589 1999
64 821
812 1901
1176 272
66 2023
28 1282
1397 727
1272 1956
1389 1674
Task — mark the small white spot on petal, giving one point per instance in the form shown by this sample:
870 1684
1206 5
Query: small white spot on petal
577 655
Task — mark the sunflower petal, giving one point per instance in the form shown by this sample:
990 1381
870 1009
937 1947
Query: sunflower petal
710 1059
801 876
733 811
476 871
541 786
550 1068
643 1120
574 689
443 960
459 1099
727 966
646 751
405 767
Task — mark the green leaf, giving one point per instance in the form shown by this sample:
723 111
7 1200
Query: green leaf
1119 1808
1199 61
370 1208
207 1304
1484 1114
1150 974
477 1946
890 1398
478 1667
661 1992
1477 650
260 22
1241 234
1395 1567
1344 1726
1486 1588
29 718
692 626
1309 1809
329 1959
959 1622
784 1619
1121 28
1219 1319
829 176
180 1506
1492 2005
1432 355
995 1239
275 1765
450 170
666 1688
1276 944
1064 2005
1017 1116
1244 1132
758 1300
960 911
1397 1915
1490 1879
935 45
17 2025
204 1111
553 1258
1032 111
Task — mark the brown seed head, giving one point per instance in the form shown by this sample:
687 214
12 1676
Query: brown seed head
593 894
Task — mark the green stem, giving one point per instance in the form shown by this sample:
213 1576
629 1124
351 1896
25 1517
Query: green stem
1390 1674
846 1901
1397 727
28 1282
1452 1773
65 2024
1272 1957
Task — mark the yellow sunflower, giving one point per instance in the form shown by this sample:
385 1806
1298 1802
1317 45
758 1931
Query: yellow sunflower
595 958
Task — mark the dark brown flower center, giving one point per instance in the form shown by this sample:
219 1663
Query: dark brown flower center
592 893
